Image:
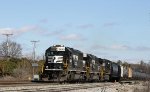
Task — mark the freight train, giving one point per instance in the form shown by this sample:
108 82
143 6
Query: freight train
68 64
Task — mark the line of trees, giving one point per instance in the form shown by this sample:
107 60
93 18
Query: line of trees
12 64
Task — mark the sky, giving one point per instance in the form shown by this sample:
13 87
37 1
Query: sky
110 29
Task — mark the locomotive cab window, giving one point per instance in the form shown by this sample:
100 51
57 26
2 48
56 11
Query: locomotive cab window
58 53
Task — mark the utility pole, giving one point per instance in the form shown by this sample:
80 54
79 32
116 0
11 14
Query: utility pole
34 64
7 43
34 46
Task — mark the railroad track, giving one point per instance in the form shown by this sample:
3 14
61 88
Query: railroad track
12 82
19 84
51 87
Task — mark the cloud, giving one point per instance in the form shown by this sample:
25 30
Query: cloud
85 26
19 31
120 47
53 33
32 28
72 37
29 28
110 24
57 32
142 48
121 52
6 30
44 21
68 25
96 47
112 47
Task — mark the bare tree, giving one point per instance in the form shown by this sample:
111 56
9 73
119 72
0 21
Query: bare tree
14 49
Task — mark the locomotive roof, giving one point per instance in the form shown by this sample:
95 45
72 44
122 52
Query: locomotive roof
73 50
92 56
100 60
68 48
106 60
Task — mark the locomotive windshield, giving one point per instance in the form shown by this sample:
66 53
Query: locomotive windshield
57 53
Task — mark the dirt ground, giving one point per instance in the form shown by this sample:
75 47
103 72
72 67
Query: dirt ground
137 86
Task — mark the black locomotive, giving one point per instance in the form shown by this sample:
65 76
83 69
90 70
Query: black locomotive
68 64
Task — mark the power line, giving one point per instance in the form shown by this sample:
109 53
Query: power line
34 46
7 43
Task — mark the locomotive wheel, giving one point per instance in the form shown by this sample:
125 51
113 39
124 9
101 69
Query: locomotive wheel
85 78
71 76
59 77
91 77
107 78
50 77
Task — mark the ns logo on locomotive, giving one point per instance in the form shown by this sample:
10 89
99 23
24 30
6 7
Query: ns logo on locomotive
68 64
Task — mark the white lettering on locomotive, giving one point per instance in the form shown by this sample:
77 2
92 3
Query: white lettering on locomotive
57 48
55 59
